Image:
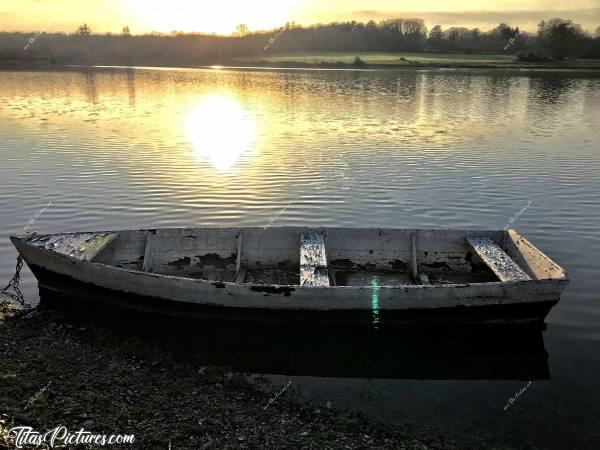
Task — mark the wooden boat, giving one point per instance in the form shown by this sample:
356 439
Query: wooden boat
327 276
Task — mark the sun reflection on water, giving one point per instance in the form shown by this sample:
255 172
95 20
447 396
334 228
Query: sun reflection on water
221 131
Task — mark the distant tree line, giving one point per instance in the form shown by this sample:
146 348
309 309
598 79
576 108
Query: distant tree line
555 39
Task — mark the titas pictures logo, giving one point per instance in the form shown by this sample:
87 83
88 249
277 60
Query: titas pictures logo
61 436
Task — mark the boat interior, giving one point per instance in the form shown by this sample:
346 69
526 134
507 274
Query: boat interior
328 256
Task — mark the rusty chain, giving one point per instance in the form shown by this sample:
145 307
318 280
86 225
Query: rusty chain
13 284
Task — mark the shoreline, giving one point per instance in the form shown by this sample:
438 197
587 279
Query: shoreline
417 66
298 65
56 372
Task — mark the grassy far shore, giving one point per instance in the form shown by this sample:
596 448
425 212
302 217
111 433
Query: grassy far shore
407 60
342 60
55 372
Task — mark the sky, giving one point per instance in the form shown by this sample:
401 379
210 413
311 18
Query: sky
221 16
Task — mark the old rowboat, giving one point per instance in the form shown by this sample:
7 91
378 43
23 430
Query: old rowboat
378 277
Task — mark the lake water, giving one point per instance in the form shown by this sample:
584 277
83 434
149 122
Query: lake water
132 148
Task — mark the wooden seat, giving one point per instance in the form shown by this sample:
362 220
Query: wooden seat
83 246
501 264
313 261
147 265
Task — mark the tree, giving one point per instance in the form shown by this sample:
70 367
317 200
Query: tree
84 30
241 30
473 38
126 31
415 33
505 31
436 38
453 37
503 36
597 32
560 37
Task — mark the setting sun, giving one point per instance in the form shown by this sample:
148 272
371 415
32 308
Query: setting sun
220 17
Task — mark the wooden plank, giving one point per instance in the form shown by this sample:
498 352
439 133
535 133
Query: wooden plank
238 260
147 266
497 260
529 257
313 276
83 246
312 250
413 252
313 260
171 245
240 276
98 244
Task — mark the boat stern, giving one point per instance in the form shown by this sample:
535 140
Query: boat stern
531 259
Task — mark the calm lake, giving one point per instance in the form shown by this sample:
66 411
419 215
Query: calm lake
95 149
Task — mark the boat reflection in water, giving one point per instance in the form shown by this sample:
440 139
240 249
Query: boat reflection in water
466 353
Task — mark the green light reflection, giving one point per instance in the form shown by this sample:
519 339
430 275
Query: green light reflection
375 302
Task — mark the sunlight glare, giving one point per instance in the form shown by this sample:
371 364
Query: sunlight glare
217 17
221 131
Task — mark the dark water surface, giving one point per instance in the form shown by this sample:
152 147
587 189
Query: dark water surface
135 148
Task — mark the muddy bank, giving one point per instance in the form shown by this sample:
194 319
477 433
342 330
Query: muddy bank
55 373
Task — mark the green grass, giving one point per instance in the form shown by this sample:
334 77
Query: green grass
410 59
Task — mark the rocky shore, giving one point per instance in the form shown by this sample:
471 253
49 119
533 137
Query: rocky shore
56 373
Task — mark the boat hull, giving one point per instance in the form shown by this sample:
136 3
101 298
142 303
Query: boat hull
74 293
374 305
